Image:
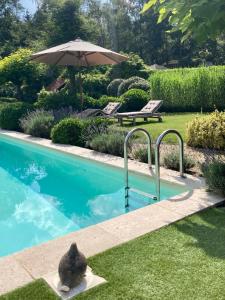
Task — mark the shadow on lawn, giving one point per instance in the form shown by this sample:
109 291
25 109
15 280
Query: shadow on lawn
209 233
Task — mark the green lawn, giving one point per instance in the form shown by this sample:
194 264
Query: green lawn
185 260
170 121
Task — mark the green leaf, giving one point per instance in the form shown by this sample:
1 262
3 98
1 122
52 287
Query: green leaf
149 5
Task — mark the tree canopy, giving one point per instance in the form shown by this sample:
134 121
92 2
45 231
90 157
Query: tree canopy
201 20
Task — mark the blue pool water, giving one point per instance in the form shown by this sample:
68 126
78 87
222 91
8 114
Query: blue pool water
45 194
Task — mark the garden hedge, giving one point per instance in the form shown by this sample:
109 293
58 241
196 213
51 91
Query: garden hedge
190 89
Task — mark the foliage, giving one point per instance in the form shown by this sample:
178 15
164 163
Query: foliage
90 102
112 88
214 173
8 89
68 131
10 113
190 89
124 86
172 161
202 21
207 131
38 123
140 153
111 143
8 99
134 100
93 127
26 76
95 85
56 100
141 85
134 66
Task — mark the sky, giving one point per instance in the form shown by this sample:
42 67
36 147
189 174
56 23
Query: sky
29 5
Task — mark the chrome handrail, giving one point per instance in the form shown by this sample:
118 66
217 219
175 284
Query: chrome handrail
157 157
130 133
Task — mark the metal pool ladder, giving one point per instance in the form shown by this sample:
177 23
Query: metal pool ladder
127 188
157 157
157 161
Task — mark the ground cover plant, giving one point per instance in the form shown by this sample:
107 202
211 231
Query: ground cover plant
180 261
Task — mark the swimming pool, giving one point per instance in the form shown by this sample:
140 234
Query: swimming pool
45 194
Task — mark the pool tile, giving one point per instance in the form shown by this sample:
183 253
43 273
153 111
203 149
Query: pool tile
44 258
12 275
197 200
139 222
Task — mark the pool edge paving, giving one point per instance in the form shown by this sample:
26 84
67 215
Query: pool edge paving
23 267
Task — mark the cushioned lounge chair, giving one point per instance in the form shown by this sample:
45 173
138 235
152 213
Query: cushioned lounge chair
148 111
109 111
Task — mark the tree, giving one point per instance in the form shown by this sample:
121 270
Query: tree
201 20
9 25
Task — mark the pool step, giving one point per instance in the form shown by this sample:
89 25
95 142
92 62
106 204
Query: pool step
150 196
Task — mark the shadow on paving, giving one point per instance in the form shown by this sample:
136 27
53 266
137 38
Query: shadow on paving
209 234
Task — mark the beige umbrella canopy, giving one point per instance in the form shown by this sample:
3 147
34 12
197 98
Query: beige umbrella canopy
78 53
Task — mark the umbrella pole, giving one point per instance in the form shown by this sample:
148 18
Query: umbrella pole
81 92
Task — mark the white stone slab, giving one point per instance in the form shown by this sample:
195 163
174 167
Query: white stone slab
90 280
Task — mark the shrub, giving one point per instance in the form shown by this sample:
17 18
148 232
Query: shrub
134 100
124 86
56 100
141 85
207 131
68 131
95 85
93 127
8 99
99 103
111 143
112 88
141 154
134 66
172 161
214 173
26 77
190 89
8 89
10 114
38 123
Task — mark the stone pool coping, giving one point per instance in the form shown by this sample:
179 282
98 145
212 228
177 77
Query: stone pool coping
23 267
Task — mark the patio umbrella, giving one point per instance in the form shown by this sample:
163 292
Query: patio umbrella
78 53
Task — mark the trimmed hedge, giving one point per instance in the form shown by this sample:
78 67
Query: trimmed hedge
68 131
190 89
207 131
134 100
124 86
11 113
112 88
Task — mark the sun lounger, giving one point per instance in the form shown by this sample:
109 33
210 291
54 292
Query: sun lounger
109 111
148 111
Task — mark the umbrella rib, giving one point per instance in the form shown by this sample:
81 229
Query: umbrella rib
113 59
60 58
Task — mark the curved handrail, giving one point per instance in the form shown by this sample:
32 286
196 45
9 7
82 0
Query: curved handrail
157 157
130 133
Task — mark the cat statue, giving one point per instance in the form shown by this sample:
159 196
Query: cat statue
72 268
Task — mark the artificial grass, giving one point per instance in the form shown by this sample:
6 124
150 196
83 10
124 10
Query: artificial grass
185 260
170 121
